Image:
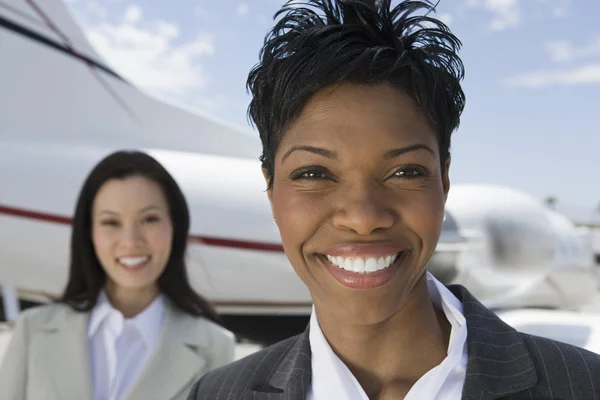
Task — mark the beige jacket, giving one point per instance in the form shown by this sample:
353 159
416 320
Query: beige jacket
48 356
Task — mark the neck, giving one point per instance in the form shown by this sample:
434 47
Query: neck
130 302
389 357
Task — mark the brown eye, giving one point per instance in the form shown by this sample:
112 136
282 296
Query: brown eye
151 219
109 222
411 172
311 174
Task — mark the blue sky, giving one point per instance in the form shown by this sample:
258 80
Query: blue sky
532 77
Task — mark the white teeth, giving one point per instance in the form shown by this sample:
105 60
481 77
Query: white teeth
371 265
363 265
133 261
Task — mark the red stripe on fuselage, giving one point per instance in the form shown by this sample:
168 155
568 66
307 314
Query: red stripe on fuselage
209 241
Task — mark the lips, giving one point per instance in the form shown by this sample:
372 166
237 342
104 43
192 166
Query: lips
363 250
364 266
134 262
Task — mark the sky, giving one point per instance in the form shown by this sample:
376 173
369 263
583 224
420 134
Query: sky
532 79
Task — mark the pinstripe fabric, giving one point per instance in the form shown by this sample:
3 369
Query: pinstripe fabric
503 364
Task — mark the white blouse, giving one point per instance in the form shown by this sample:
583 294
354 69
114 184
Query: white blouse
331 379
120 347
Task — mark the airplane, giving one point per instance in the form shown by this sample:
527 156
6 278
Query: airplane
62 109
527 255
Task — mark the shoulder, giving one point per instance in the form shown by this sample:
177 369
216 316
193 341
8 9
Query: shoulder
218 333
200 329
558 363
36 318
551 352
251 371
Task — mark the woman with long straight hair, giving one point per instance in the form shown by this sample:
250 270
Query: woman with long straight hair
128 325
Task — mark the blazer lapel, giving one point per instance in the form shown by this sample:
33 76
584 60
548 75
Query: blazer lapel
290 376
179 359
64 353
499 362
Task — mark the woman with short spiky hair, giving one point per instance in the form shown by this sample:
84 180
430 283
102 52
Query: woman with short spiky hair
355 103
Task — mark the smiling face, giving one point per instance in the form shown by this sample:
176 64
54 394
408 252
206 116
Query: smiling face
132 232
358 194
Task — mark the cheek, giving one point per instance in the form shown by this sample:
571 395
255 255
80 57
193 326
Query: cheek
160 239
103 243
424 217
298 216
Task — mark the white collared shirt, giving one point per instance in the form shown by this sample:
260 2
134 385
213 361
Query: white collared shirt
121 347
331 378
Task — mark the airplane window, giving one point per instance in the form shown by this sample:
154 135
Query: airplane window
577 335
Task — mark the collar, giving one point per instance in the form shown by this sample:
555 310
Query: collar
499 362
441 297
452 307
148 322
325 362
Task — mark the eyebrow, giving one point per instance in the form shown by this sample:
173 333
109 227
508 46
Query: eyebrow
331 154
311 149
148 208
397 152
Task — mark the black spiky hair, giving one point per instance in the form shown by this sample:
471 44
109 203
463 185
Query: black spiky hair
317 43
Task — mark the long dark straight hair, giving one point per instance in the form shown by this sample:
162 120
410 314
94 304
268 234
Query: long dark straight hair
87 277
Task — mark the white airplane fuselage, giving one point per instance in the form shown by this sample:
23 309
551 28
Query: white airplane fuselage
505 246
234 251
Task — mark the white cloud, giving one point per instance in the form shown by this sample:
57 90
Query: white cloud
133 15
564 51
144 53
446 18
584 75
242 9
507 14
510 13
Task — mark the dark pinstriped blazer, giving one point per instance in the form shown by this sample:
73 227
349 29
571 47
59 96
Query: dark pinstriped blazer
503 364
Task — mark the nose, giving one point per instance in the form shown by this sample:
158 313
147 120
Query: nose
132 235
364 208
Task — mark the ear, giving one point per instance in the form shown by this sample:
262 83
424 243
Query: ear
269 190
267 177
446 178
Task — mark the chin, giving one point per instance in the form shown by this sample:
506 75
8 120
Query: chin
134 285
372 306
367 315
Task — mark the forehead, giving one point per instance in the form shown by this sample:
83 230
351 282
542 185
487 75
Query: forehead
129 194
363 115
